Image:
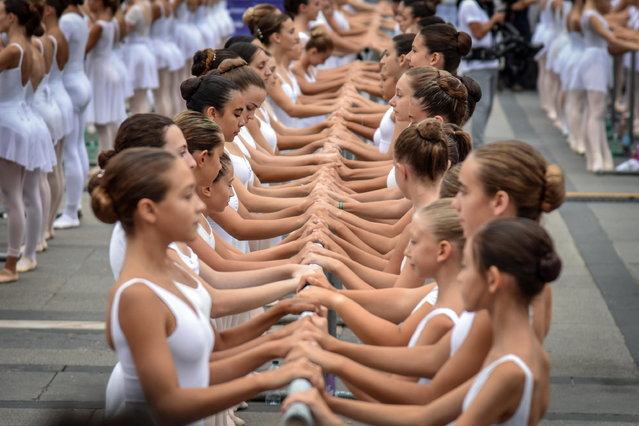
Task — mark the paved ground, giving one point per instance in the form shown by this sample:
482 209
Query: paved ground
53 358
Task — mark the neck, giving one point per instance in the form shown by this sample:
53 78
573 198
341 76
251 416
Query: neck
50 22
17 33
510 322
424 193
449 293
282 60
301 23
147 249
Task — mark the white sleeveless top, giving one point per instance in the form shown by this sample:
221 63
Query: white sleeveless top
390 179
191 260
190 343
520 418
267 130
461 330
206 234
384 134
430 298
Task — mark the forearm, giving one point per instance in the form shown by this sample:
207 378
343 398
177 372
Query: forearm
227 302
242 363
361 129
391 209
367 184
250 330
371 276
268 173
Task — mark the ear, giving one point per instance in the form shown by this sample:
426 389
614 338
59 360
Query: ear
147 210
437 60
200 157
402 60
211 112
500 203
275 37
439 118
205 191
444 252
494 279
402 169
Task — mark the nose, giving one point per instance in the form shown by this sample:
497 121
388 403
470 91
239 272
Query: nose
200 207
190 161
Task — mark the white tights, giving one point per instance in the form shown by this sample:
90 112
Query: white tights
45 197
74 167
33 210
598 156
138 102
11 183
575 101
56 185
162 95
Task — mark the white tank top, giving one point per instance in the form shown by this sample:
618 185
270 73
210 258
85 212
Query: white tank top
422 324
520 418
206 233
190 344
267 130
191 260
390 180
461 330
430 298
383 136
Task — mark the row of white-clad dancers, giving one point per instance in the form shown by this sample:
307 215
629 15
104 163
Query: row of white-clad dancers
575 69
359 215
86 65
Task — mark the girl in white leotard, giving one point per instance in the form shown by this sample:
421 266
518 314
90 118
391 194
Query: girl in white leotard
513 384
74 26
152 323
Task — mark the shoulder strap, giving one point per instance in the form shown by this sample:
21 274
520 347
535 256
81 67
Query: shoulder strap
21 53
55 45
41 45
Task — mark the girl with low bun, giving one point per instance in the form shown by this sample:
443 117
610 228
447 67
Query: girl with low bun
507 262
445 97
159 310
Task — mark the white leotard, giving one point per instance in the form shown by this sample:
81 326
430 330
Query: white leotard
138 50
46 106
430 298
267 130
58 91
75 80
191 260
117 249
461 330
190 344
384 134
206 234
520 418
390 179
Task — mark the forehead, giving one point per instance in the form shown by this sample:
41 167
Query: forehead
253 92
467 172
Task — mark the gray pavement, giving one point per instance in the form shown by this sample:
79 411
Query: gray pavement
53 358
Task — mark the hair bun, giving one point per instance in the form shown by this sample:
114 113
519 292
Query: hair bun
430 129
104 157
453 87
102 203
549 267
189 87
230 64
554 191
464 43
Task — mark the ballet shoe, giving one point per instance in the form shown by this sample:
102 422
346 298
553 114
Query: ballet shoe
236 420
66 222
43 246
242 406
25 265
7 276
49 235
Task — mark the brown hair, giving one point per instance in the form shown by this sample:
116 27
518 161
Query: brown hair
139 130
225 163
201 133
444 221
131 176
519 247
445 39
319 40
209 59
443 95
450 183
254 13
423 146
459 143
238 71
268 25
521 171
207 91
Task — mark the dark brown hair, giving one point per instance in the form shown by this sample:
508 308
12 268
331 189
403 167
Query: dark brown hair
445 39
424 148
238 71
139 130
254 13
207 91
58 6
459 143
268 25
519 247
209 59
521 171
444 95
131 176
29 13
201 133
225 167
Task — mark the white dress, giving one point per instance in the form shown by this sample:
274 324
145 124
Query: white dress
118 61
46 107
187 36
567 75
16 121
59 92
138 50
167 53
593 70
39 133
544 31
107 104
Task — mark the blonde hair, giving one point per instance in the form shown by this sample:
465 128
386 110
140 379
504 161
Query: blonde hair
442 220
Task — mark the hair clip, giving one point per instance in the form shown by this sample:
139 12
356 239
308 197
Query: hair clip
258 33
100 174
